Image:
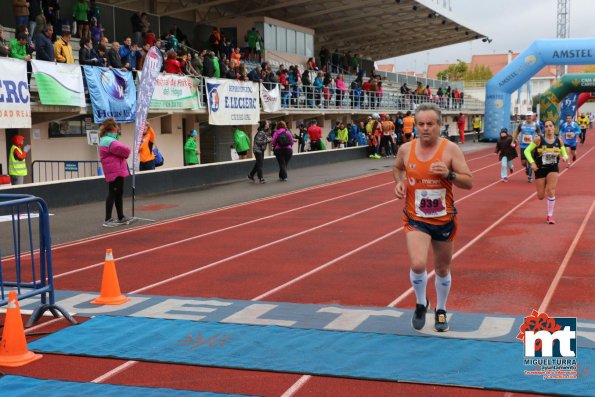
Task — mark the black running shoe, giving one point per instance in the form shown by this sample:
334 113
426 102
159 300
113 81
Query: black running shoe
440 324
419 316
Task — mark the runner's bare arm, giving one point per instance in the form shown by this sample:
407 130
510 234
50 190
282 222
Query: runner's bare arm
464 177
399 172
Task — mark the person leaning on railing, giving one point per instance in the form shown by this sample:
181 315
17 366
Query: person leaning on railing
4 46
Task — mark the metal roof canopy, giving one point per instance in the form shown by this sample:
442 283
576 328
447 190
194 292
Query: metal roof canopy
378 29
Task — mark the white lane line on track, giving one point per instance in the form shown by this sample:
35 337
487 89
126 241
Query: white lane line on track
221 230
305 378
564 264
215 210
260 247
232 206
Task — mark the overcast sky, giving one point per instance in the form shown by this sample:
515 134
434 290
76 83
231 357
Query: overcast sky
511 24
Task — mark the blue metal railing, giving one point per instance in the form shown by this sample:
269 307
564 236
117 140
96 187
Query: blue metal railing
52 170
27 270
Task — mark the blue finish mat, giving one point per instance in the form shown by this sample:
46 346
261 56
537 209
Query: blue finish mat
21 386
468 363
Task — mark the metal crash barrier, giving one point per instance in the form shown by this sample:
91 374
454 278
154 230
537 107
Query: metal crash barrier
26 254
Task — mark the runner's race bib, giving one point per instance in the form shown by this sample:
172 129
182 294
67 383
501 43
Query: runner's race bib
430 203
527 138
570 136
549 158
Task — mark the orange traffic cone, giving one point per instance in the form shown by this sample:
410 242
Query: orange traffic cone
13 348
110 287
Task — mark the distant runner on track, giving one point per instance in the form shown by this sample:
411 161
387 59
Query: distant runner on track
547 156
425 171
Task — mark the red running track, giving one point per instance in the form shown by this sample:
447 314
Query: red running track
340 243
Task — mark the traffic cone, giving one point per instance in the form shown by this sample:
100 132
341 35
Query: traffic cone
13 348
110 287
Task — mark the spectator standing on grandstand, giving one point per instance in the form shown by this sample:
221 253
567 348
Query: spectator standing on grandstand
208 68
44 49
4 45
145 150
80 14
62 48
20 10
95 31
94 11
261 140
241 142
17 166
191 153
86 54
252 37
282 143
113 57
214 40
126 53
461 121
315 135
137 28
99 53
386 140
35 18
18 47
341 90
424 172
113 155
143 55
150 38
172 65
51 12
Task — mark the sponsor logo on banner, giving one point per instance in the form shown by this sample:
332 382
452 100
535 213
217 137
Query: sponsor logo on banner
15 100
271 100
549 346
112 94
175 92
59 83
232 102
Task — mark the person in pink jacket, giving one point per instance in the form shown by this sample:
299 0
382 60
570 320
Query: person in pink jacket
113 155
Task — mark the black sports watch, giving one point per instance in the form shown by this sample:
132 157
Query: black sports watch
451 176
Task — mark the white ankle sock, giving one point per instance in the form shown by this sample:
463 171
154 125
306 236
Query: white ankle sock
551 202
442 289
419 283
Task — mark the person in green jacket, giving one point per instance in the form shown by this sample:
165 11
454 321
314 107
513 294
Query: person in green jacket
80 14
191 150
241 142
216 66
18 47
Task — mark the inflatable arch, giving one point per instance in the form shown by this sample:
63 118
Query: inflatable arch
539 54
569 83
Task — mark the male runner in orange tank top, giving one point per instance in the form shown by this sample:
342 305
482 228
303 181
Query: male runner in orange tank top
425 171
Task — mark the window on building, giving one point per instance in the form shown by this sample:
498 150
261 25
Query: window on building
281 39
300 42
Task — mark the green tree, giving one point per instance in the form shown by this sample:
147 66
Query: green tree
454 72
478 73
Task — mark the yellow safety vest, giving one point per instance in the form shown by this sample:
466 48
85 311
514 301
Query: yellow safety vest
16 167
477 123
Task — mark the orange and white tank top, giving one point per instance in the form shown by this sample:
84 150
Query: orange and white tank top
429 197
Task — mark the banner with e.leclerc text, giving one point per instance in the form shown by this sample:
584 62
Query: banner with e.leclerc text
15 100
59 83
112 93
232 102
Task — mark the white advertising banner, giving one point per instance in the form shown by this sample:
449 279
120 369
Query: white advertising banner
175 92
232 102
15 99
271 99
59 83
